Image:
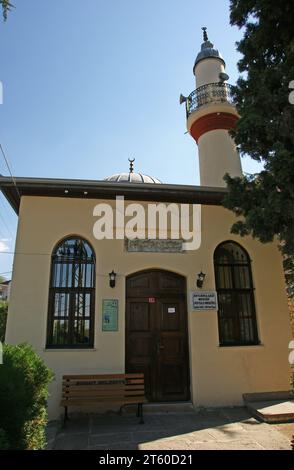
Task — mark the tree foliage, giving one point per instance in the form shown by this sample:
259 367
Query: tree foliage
3 319
265 130
6 7
24 380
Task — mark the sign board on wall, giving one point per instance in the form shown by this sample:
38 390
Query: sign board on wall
154 246
109 315
204 300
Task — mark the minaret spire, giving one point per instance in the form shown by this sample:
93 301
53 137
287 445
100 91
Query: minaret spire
211 114
205 35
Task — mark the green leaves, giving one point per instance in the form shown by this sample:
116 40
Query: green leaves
3 319
6 8
24 380
265 201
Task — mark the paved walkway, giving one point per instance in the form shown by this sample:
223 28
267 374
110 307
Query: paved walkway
204 429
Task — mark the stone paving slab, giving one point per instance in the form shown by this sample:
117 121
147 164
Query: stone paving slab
274 410
203 429
271 407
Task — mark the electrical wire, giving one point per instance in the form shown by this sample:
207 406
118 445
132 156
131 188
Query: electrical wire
8 166
7 228
6 212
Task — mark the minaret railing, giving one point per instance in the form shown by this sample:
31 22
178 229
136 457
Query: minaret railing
210 93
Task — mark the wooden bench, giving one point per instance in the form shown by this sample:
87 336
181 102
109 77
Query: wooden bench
118 389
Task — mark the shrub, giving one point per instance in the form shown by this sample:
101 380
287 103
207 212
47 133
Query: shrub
4 444
24 380
3 319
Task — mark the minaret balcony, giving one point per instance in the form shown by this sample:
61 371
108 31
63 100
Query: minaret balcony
212 93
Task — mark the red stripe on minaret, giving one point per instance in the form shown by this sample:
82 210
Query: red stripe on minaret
211 122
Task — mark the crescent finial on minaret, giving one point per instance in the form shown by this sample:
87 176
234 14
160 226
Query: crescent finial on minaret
205 36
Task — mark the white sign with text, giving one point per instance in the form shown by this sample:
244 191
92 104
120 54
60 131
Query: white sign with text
204 300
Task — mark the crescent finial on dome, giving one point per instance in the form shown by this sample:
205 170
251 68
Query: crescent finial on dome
132 165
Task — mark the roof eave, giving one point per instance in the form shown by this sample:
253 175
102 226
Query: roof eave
89 189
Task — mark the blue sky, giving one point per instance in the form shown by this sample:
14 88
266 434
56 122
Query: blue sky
90 83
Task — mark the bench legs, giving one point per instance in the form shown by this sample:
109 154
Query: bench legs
140 413
66 418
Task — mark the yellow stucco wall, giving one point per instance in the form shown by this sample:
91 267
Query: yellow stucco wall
219 376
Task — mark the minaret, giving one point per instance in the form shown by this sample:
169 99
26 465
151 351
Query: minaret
210 115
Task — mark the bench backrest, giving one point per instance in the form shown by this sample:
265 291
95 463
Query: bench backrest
103 388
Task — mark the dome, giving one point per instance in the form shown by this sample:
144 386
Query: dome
132 177
208 51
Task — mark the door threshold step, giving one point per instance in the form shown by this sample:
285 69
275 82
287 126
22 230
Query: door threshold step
165 408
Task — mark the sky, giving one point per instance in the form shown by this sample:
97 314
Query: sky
91 83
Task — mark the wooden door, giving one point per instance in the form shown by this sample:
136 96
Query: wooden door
156 334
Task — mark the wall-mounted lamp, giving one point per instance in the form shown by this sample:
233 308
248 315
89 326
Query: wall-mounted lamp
200 280
112 277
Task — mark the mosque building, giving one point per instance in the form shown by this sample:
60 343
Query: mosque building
205 318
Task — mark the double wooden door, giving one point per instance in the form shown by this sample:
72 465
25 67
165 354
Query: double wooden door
157 334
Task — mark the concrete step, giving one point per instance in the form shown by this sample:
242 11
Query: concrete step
271 407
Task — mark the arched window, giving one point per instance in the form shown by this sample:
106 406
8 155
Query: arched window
236 307
72 295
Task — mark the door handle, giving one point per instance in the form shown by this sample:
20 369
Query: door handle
159 347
